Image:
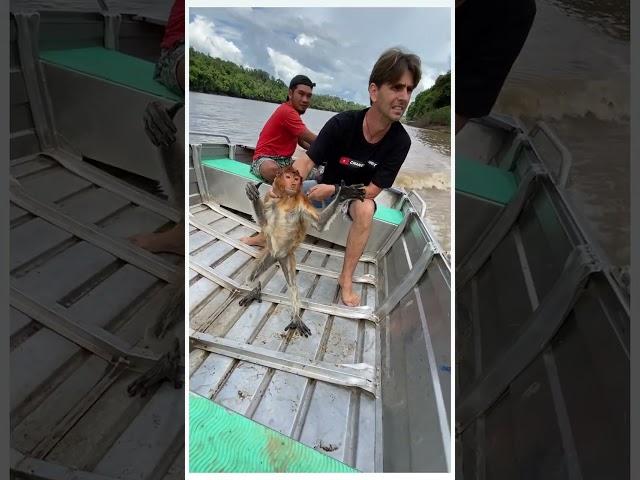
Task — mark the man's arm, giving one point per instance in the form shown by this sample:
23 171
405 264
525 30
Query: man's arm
303 164
306 138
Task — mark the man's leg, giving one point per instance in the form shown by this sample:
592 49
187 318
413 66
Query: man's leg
362 215
169 241
170 72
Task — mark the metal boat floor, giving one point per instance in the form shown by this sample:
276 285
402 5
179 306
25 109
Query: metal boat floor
315 409
73 270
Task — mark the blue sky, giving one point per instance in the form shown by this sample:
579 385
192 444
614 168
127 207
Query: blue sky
335 47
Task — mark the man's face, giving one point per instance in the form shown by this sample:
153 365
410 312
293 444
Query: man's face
300 98
392 99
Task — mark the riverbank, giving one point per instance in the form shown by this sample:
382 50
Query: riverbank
431 126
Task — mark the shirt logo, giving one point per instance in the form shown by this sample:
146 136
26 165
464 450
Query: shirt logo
350 162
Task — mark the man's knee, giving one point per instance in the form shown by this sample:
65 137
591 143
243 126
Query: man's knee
268 170
362 212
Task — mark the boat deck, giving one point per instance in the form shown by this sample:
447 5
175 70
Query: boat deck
84 304
242 358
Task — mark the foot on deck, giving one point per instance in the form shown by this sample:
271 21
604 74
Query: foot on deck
255 241
255 294
298 324
166 368
169 241
348 296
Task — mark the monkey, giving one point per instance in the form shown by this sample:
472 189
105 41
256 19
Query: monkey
284 218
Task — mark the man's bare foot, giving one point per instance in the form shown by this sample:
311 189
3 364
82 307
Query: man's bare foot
255 241
349 297
169 241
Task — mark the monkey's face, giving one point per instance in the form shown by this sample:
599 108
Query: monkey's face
290 183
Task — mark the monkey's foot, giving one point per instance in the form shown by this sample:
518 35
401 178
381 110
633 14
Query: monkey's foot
255 294
348 296
169 241
166 368
298 324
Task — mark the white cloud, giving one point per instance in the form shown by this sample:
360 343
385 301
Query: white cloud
305 40
203 37
286 68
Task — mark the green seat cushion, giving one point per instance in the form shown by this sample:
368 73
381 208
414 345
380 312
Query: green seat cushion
385 214
221 440
112 66
230 166
389 215
484 181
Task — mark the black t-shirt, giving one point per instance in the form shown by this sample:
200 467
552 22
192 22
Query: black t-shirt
349 157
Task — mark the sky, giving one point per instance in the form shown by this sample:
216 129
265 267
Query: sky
335 47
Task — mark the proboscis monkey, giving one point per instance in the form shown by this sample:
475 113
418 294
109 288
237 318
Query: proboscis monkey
284 218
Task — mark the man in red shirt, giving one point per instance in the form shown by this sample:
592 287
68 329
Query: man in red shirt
283 131
160 128
170 67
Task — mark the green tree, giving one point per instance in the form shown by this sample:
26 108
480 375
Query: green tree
214 75
433 106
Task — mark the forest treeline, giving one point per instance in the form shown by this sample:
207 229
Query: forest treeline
433 106
222 77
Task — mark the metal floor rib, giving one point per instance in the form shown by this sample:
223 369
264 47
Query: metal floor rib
251 369
73 270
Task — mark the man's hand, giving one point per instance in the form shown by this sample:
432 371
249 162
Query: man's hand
158 123
321 191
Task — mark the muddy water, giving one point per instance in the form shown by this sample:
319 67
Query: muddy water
573 73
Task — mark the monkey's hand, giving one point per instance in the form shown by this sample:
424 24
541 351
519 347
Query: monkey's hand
252 191
350 192
298 324
158 123
255 294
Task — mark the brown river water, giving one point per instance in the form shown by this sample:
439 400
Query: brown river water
573 73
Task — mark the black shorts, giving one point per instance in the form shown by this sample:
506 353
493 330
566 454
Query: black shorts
489 37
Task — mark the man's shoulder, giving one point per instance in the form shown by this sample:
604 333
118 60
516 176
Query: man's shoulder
347 118
401 133
350 115
284 111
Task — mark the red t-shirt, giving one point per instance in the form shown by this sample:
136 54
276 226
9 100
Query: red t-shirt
174 31
279 136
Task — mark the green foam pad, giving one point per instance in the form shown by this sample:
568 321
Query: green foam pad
484 181
223 441
231 166
112 66
384 214
389 215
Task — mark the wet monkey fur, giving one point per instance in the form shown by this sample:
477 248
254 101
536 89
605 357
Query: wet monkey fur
284 220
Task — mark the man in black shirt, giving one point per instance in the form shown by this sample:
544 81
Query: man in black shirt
489 37
367 147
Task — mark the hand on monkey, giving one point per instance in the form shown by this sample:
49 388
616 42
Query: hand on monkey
345 192
320 192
